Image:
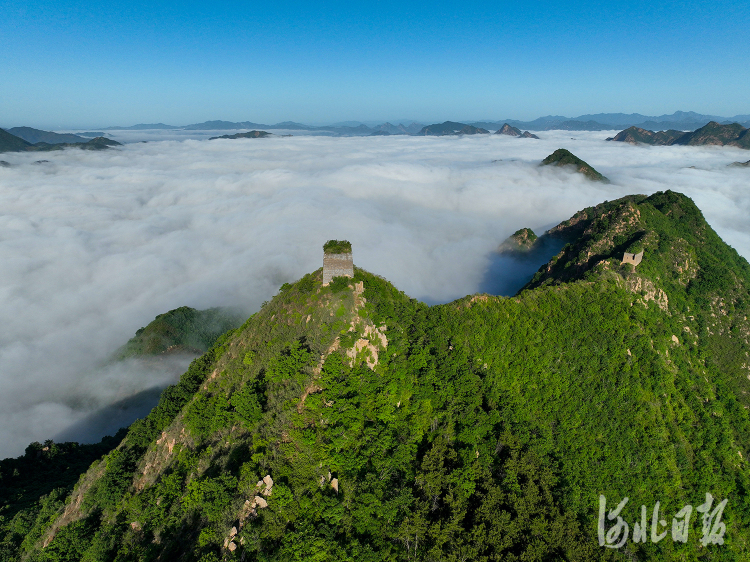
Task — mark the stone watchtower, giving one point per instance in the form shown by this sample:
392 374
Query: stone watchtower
337 260
635 259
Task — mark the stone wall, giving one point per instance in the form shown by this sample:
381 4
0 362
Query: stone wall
337 265
635 259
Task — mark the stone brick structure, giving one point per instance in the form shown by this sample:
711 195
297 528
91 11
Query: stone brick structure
635 259
337 265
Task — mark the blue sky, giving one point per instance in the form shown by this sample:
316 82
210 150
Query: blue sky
92 64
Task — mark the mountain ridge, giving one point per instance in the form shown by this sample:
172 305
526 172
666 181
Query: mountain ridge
712 133
34 136
351 421
12 143
682 120
249 135
451 128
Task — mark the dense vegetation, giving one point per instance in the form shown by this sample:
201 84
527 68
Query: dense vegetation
521 241
183 329
48 471
36 484
337 247
351 422
563 157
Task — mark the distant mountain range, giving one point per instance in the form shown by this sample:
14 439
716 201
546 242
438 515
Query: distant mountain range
451 128
711 134
34 136
250 135
400 129
679 120
13 143
143 127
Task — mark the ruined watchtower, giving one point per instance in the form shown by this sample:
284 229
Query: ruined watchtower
337 260
635 259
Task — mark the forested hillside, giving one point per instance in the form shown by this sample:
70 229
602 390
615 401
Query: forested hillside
182 330
351 422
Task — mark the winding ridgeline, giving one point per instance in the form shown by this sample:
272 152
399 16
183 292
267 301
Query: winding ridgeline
351 422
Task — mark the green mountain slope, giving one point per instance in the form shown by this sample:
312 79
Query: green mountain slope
351 422
521 241
563 157
45 468
50 470
11 143
183 329
687 270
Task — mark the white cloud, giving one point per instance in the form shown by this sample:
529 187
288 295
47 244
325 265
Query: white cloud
93 245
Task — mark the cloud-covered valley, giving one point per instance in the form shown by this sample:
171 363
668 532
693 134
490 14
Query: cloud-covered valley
93 245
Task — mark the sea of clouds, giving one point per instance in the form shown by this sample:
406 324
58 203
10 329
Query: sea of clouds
93 245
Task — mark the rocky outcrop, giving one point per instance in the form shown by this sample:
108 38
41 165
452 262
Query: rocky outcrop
648 291
508 130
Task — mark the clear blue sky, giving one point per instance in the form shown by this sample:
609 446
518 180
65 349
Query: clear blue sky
115 62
